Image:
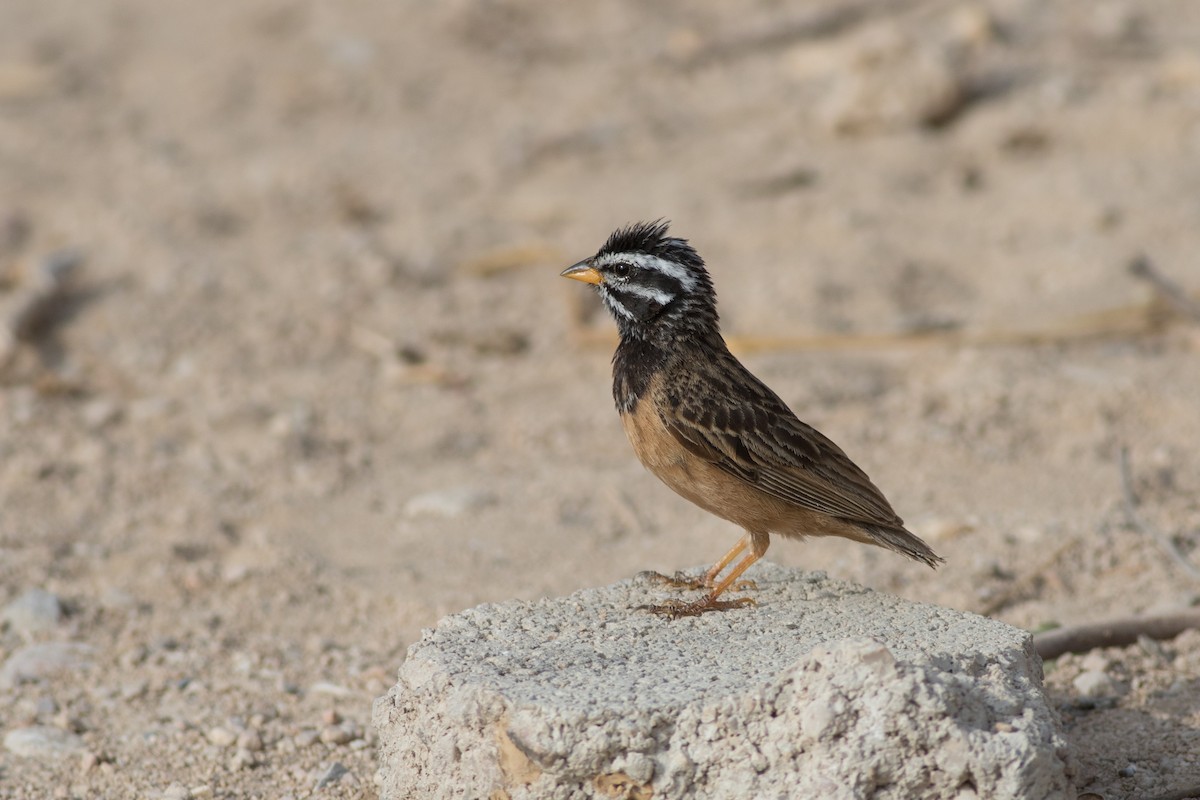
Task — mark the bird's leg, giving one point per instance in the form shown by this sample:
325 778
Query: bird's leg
710 577
682 581
710 602
731 580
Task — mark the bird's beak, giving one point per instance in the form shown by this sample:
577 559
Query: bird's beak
583 271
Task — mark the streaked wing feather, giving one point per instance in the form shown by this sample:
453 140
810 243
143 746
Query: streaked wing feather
749 432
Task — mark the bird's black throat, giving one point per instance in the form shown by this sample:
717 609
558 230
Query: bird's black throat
634 364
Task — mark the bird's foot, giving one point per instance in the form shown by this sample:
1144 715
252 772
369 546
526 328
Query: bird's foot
679 580
675 609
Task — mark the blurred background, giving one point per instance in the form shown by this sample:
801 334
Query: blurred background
287 372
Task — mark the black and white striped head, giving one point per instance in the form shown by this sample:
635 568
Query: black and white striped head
654 285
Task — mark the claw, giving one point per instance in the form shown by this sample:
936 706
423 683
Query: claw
679 580
676 609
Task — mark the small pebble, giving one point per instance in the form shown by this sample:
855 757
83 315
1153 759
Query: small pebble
176 791
133 690
1029 534
449 503
336 734
1094 683
1128 771
38 661
222 737
1095 661
35 611
1153 649
241 760
306 738
332 775
114 599
99 412
250 740
43 742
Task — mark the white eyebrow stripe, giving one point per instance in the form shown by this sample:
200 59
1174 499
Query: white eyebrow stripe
648 292
647 261
668 268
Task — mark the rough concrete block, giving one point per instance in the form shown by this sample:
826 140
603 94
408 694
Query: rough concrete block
825 689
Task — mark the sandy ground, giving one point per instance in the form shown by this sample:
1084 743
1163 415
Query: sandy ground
316 382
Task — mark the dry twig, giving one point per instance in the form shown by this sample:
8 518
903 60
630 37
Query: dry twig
1124 321
1113 633
1179 794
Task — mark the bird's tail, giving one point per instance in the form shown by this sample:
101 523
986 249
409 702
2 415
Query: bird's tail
902 541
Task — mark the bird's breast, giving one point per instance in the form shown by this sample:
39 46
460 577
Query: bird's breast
694 478
710 487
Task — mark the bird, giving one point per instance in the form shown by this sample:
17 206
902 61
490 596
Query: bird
710 430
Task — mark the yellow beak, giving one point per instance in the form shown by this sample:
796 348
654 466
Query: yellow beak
582 271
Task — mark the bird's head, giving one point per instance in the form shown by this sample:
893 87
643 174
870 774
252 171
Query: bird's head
654 285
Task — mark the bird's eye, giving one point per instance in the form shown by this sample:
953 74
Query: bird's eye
620 269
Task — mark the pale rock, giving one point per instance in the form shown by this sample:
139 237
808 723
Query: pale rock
43 742
821 686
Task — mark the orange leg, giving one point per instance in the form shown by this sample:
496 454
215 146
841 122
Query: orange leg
710 602
710 577
682 581
733 575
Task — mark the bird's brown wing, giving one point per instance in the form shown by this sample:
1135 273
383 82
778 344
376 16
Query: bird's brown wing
745 429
